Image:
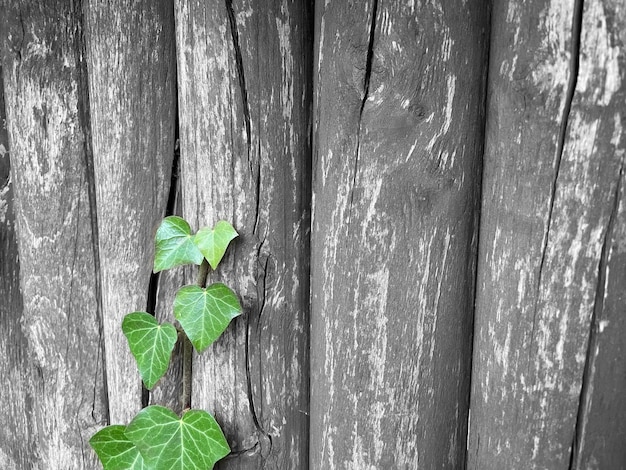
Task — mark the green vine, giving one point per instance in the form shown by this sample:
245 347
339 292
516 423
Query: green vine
156 438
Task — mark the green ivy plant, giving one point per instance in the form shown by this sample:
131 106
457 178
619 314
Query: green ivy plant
156 438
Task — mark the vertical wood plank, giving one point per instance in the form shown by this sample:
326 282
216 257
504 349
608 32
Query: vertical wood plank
599 105
398 133
64 399
601 432
245 97
15 411
553 178
132 82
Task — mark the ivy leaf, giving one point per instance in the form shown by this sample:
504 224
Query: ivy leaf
115 450
204 314
213 242
150 343
168 442
175 245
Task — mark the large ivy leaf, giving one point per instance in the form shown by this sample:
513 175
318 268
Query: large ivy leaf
150 343
204 314
213 242
168 442
115 450
174 245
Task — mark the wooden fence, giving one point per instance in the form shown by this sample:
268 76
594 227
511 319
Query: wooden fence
431 203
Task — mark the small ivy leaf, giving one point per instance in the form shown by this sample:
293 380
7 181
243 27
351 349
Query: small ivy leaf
175 245
168 442
115 450
213 242
204 314
150 343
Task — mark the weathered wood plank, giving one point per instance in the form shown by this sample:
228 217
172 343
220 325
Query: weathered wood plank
398 133
553 176
132 82
214 149
245 97
57 339
15 399
601 428
599 104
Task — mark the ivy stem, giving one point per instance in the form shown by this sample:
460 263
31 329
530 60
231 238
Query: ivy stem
187 360
203 272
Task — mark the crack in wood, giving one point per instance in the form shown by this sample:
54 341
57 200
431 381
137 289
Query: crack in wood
155 278
23 38
264 448
584 403
477 221
366 86
232 19
248 451
84 117
172 197
577 19
257 195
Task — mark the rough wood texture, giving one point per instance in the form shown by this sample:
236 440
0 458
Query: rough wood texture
15 399
551 261
132 79
57 340
245 95
600 115
398 132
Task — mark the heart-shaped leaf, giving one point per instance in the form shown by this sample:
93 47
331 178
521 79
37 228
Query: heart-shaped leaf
213 242
168 442
174 245
151 344
204 314
115 450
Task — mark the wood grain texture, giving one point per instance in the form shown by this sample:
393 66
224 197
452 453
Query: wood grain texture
58 362
132 83
245 97
398 131
15 399
550 273
599 110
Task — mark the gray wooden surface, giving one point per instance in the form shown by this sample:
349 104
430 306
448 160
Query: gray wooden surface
15 397
551 267
132 90
398 131
245 97
599 114
374 116
58 389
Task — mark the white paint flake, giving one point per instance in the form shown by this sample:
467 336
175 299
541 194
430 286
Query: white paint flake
450 100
